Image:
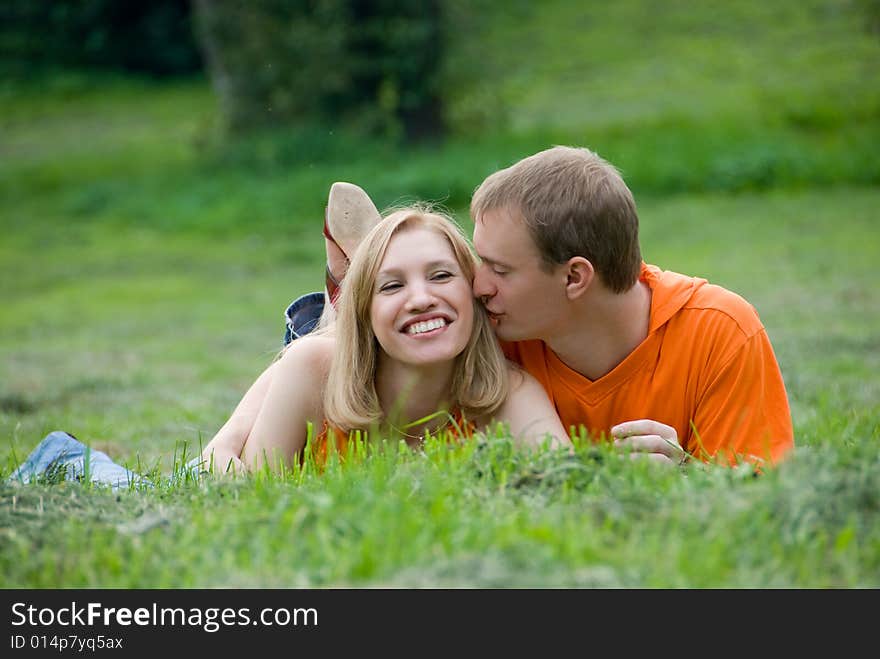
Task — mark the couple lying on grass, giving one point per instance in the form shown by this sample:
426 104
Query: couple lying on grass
668 367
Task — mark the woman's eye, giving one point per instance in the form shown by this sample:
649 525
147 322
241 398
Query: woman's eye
499 272
441 276
390 286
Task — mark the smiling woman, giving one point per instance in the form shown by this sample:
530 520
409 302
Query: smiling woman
410 343
422 309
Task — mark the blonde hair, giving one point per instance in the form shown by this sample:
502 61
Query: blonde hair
573 203
479 381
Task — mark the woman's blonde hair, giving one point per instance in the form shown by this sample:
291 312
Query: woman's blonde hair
479 381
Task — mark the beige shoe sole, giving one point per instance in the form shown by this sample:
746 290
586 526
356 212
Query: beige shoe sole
350 215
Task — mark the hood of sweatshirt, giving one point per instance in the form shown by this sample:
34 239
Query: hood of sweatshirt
670 291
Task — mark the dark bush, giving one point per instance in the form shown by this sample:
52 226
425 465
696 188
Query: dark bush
370 64
152 38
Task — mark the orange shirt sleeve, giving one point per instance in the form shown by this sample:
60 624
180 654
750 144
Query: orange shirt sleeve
743 413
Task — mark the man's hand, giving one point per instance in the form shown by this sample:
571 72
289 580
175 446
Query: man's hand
650 439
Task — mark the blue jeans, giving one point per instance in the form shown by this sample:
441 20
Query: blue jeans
302 316
61 456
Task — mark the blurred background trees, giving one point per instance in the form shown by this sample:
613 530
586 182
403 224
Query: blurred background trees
372 65
153 38
771 88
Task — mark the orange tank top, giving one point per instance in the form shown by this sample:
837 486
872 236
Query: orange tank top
332 439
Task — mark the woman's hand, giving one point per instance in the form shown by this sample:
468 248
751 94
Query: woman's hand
222 462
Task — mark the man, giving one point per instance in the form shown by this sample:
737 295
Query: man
667 366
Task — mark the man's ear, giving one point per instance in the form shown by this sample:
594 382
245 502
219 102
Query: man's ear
579 276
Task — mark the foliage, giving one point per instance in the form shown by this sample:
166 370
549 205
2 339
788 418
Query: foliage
113 35
373 65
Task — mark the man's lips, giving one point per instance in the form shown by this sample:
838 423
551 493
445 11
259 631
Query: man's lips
494 317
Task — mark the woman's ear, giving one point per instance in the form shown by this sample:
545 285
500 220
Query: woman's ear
579 275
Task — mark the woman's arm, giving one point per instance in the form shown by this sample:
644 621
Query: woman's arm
294 397
530 415
223 452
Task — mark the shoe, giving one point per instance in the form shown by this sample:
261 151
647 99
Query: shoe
349 216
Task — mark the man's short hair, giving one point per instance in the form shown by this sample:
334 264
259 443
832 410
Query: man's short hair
574 203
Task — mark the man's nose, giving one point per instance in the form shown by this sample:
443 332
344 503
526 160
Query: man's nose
483 287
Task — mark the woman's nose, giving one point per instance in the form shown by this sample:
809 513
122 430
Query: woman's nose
420 297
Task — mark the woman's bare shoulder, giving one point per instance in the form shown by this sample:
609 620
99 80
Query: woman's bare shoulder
312 351
525 389
522 387
518 376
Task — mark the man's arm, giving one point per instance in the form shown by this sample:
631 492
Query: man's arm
742 415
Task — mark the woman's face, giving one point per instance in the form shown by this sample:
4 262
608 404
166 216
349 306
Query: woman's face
422 311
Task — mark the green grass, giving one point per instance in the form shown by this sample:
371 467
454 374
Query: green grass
145 265
478 516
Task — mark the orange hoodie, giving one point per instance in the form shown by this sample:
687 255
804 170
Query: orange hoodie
706 368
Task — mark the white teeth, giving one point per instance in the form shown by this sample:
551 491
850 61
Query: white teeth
426 326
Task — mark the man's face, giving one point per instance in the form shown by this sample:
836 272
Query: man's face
523 299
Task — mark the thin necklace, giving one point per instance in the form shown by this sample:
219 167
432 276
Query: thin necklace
431 431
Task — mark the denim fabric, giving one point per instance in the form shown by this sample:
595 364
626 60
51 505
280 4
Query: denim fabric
61 452
61 455
302 315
